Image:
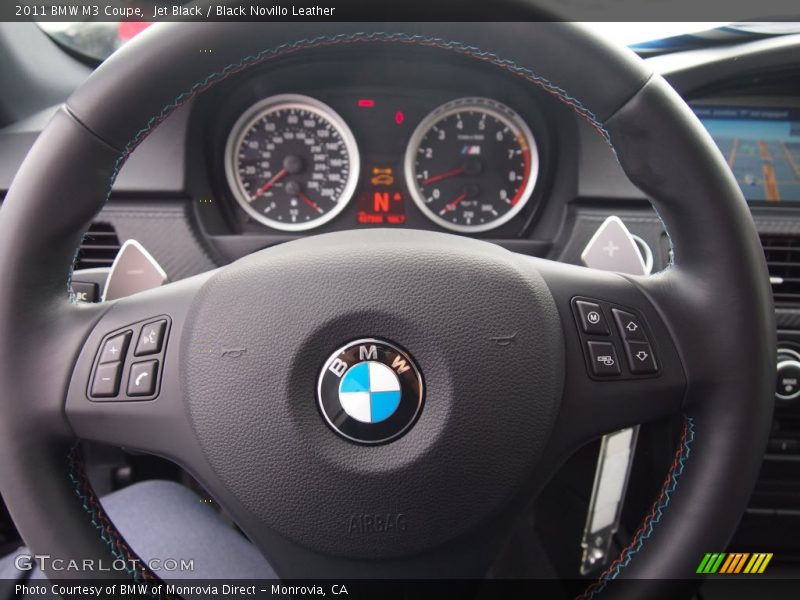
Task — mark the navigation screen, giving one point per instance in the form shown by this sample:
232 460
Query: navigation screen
762 147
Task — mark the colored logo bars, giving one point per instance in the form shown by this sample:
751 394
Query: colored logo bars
734 563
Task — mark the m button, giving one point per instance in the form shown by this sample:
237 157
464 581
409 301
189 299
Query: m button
592 320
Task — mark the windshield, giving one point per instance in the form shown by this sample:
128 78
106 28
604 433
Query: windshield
97 40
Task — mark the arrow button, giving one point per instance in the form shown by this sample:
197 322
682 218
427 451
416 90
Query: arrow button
629 325
640 358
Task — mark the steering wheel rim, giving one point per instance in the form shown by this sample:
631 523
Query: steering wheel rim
710 311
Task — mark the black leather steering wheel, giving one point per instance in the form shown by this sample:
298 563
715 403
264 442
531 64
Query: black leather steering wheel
498 418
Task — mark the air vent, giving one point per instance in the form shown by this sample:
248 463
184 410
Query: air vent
783 260
98 247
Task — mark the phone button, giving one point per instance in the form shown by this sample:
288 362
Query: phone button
142 378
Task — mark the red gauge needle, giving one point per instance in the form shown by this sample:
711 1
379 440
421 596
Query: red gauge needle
445 175
278 176
309 201
453 204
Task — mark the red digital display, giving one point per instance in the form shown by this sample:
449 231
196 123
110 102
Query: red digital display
381 207
382 202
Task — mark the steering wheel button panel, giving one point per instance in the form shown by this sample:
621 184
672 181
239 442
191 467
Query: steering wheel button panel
631 333
116 362
592 319
142 378
106 380
150 338
603 357
115 348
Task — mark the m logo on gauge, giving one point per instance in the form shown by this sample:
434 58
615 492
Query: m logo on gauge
370 391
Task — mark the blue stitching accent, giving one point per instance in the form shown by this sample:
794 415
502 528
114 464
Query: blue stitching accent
98 525
94 517
268 53
377 36
350 38
671 262
252 59
361 37
73 297
685 453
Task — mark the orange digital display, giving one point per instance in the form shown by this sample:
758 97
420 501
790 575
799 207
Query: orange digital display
382 203
381 207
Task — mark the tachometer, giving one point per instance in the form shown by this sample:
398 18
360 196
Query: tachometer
292 163
471 165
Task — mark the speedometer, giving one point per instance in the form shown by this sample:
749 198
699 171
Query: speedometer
291 162
471 165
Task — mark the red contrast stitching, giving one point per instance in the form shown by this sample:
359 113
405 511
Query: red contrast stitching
656 511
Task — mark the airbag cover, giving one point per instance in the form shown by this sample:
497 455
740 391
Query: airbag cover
478 320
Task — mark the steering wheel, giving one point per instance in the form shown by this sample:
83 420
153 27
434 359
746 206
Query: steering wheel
496 339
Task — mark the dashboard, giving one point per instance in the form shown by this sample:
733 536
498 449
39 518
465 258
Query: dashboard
293 163
412 139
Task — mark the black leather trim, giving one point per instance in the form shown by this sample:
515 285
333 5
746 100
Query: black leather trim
131 82
718 303
42 334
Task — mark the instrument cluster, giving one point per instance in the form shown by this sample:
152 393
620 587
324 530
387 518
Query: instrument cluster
294 162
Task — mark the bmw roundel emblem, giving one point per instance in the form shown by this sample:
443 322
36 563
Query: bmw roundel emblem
370 391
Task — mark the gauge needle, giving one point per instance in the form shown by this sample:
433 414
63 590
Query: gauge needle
309 201
445 175
278 176
453 204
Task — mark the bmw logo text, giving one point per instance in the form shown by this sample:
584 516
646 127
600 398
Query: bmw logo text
370 391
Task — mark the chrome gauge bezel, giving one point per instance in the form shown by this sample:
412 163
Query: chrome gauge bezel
498 111
281 102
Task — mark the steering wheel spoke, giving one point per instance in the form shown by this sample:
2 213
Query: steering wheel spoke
621 365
